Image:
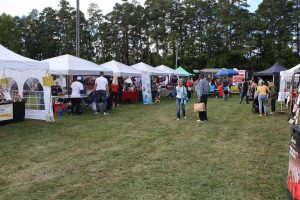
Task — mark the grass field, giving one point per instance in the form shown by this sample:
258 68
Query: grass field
142 152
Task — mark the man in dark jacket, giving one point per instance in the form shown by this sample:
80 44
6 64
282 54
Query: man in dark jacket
244 91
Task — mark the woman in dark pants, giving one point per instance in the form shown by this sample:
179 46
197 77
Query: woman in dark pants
120 90
273 96
115 90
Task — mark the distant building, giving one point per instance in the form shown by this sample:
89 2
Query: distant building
209 72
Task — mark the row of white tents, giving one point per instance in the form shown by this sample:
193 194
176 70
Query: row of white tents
22 70
71 65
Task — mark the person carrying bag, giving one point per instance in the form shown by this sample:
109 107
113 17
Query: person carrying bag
202 93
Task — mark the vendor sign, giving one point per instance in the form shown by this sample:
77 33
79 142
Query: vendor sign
293 181
146 89
6 112
234 89
237 79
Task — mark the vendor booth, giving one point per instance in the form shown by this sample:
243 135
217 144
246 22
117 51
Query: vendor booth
71 65
147 69
286 77
22 78
65 67
167 86
167 70
273 73
129 89
182 72
120 69
148 89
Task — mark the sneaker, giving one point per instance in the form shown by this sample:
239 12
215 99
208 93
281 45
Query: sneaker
271 113
200 121
265 114
240 102
260 115
96 113
105 113
184 117
177 119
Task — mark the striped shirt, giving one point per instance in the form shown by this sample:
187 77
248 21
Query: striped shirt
202 87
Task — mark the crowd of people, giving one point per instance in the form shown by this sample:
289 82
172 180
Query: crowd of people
100 92
262 93
106 89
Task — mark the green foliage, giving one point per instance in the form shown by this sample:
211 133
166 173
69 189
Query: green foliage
10 36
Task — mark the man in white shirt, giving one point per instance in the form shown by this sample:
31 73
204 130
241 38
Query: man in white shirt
101 91
77 87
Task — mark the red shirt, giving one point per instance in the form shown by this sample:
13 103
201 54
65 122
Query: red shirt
189 84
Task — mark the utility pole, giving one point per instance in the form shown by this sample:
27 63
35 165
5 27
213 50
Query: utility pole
176 54
77 29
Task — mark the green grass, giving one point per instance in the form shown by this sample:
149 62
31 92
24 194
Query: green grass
142 152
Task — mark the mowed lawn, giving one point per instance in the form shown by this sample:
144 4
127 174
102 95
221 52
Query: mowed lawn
142 152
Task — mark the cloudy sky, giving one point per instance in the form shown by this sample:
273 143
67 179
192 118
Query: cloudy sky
23 7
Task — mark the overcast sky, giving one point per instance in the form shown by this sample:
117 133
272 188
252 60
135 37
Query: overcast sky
23 7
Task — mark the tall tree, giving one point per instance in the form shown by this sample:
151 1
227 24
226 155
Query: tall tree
10 35
67 28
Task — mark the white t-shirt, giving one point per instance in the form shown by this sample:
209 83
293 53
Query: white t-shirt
76 87
181 92
101 83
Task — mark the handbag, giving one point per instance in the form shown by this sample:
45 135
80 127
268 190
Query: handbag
48 80
4 82
199 107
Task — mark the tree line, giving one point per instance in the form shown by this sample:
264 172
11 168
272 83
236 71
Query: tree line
204 34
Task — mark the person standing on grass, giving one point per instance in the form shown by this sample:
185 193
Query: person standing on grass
273 96
244 91
202 93
76 87
225 84
253 87
180 98
262 97
115 89
101 92
189 85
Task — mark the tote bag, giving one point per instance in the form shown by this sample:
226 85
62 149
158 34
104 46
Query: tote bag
199 107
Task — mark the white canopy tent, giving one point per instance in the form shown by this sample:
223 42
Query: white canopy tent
286 76
167 70
71 65
120 69
27 74
147 69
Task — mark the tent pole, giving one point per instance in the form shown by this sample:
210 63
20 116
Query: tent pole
77 29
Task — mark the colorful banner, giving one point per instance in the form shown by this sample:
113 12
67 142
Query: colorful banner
146 89
6 112
293 181
238 78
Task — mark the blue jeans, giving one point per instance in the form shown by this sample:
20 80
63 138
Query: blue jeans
100 94
178 103
262 102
